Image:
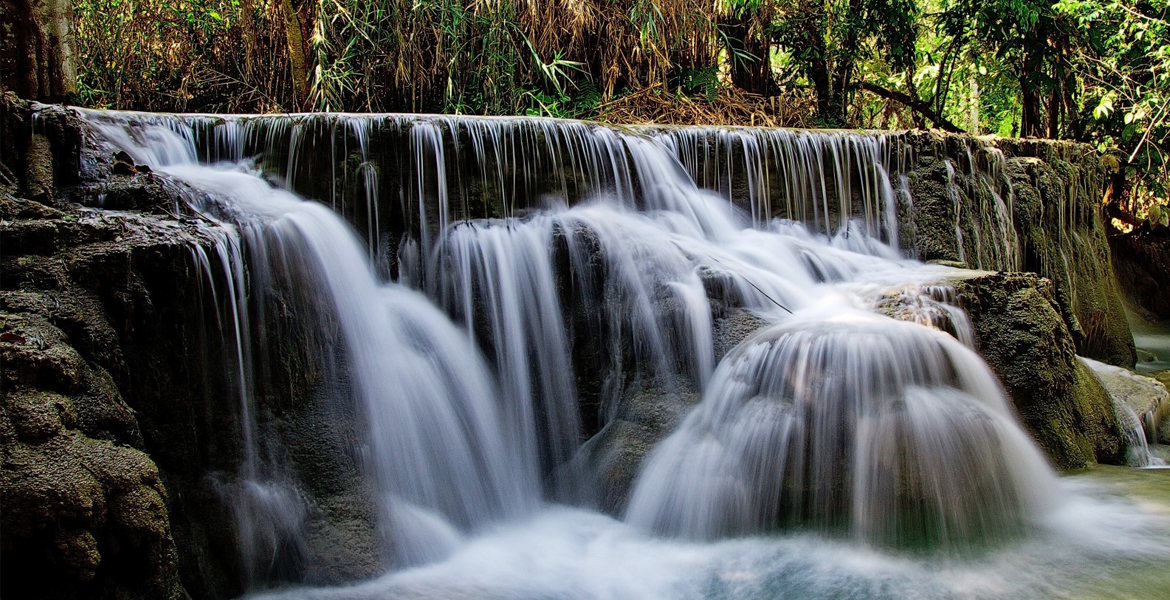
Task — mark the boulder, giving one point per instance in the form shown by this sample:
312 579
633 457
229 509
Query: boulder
1147 397
610 461
647 411
85 510
1021 332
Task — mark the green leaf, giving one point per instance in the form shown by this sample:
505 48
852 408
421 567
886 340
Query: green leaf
1104 108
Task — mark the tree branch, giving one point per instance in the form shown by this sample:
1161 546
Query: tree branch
1116 212
912 103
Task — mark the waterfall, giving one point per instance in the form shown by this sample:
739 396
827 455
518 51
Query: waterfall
886 430
437 450
482 292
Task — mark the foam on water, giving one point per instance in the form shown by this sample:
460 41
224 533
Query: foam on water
837 452
1092 548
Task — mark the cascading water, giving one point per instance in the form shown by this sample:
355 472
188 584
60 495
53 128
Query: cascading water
844 419
521 245
438 452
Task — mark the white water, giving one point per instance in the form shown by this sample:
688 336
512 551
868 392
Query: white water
574 554
835 422
893 432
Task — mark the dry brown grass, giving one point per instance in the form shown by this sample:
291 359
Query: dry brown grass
154 55
625 57
731 106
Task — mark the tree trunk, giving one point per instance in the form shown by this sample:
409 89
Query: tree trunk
919 121
1054 114
914 104
973 127
830 108
819 74
751 66
36 49
1030 119
296 54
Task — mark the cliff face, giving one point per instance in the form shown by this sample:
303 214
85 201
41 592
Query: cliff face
95 309
85 506
1021 331
1021 205
119 405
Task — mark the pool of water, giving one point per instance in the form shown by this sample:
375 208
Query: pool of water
1153 344
1109 540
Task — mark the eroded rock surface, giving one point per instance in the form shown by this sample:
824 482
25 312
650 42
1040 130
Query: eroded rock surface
1021 205
85 508
1021 331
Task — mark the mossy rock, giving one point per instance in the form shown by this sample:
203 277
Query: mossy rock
1051 225
1020 331
86 511
612 459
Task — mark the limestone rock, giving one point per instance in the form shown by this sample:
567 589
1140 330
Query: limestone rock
1142 394
1021 205
1020 331
85 509
610 461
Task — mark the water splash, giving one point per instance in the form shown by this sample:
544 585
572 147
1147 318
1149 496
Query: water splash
843 420
519 242
436 441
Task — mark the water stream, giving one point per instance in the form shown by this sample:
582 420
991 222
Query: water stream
452 280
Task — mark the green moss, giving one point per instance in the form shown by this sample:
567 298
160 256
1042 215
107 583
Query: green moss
1051 190
1021 333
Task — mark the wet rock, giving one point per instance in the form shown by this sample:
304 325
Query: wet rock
1063 238
39 161
1021 205
1147 397
88 515
929 226
86 512
341 543
39 416
30 237
1020 331
43 359
611 460
1142 261
38 177
133 190
734 328
124 168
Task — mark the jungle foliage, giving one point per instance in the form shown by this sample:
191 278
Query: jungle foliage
1095 71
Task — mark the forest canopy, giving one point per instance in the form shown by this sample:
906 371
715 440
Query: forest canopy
1094 71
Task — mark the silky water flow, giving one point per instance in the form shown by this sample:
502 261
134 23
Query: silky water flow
836 452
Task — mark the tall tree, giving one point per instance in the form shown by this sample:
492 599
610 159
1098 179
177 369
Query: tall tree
294 36
36 53
829 38
1037 41
1123 62
746 33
